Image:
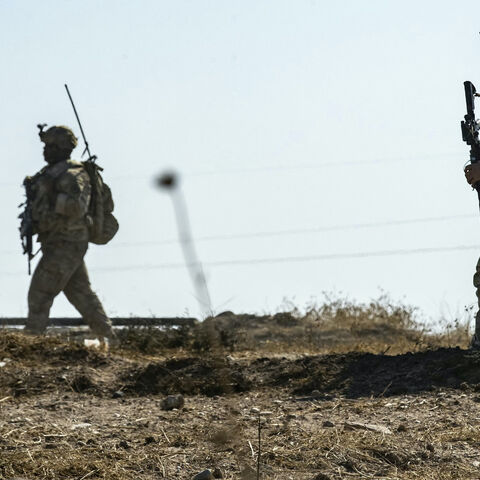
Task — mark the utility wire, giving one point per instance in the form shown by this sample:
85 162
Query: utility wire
298 231
314 166
306 258
286 232
271 168
277 260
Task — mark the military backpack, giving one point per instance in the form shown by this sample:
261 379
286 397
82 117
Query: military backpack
103 226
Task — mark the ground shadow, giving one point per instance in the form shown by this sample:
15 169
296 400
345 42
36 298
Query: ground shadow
365 374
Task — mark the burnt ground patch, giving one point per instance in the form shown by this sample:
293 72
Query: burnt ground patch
38 365
363 374
352 375
191 376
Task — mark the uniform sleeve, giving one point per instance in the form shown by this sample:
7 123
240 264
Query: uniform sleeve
74 191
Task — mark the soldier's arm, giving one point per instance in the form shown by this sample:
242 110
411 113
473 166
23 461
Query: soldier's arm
74 192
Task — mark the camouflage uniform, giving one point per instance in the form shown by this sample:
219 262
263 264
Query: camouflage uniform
476 284
62 193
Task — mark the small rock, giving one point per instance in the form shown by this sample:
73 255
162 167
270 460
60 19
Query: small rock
367 426
205 475
328 423
172 401
118 394
316 394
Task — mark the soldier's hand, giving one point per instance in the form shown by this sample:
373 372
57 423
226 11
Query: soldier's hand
472 173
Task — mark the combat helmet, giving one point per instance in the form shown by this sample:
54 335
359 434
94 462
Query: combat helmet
58 135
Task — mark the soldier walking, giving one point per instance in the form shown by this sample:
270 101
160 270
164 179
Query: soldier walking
61 194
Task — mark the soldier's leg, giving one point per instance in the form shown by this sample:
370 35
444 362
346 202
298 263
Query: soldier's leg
80 294
476 284
53 272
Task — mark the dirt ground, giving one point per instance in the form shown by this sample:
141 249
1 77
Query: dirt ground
339 397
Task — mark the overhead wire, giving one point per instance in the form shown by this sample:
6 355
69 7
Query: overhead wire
292 231
310 230
299 231
286 259
270 168
305 258
313 166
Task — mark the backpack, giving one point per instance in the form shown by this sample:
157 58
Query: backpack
104 225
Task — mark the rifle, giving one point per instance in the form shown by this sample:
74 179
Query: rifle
26 224
470 127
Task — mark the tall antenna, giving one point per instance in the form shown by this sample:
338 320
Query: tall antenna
87 148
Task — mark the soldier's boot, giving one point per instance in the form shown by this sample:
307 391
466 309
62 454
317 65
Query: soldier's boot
108 339
101 326
475 342
36 324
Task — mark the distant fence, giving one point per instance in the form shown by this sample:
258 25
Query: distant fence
116 322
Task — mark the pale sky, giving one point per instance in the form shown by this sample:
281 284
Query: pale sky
282 116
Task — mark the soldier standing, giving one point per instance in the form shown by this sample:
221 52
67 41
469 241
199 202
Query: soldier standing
472 174
61 193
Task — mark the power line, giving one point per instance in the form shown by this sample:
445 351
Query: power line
306 258
314 166
298 231
286 167
286 232
277 260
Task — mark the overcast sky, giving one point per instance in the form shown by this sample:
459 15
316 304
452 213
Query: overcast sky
283 117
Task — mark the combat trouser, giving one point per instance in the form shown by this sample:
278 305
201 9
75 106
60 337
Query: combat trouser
476 284
62 269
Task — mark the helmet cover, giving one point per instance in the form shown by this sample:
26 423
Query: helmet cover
61 136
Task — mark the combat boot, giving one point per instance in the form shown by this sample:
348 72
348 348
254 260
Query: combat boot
475 343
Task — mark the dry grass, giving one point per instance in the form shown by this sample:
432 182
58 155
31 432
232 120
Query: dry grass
429 439
337 325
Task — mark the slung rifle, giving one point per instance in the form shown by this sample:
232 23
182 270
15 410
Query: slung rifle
470 128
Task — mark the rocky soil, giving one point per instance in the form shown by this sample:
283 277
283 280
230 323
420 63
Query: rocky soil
71 412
